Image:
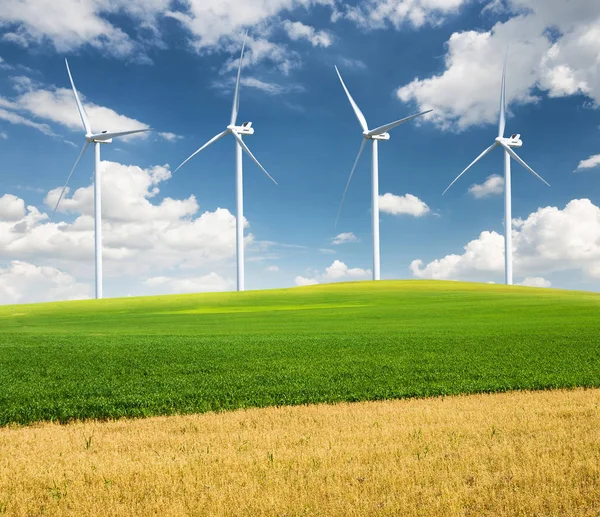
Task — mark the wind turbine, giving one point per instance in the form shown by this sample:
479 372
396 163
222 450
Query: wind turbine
506 144
237 132
105 137
379 133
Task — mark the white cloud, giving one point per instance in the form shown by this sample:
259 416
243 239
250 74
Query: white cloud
589 163
535 281
145 236
210 282
58 105
300 280
298 30
553 48
377 14
407 204
212 21
492 186
270 88
214 26
481 258
350 63
272 269
170 137
15 118
548 240
22 282
127 190
12 208
339 270
327 251
217 25
70 24
344 238
3 135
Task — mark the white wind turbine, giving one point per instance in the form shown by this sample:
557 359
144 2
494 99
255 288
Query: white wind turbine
506 144
237 132
105 137
374 135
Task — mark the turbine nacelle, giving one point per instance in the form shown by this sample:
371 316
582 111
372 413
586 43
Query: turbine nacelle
99 137
245 129
513 141
382 136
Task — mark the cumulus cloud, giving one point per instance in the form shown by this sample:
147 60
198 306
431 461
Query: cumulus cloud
589 163
144 236
548 240
12 208
210 282
482 257
492 186
298 30
58 105
402 205
344 238
377 14
535 281
300 281
35 101
339 270
553 48
70 24
219 24
22 282
212 25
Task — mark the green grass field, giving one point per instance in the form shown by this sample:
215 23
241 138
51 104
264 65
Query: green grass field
339 342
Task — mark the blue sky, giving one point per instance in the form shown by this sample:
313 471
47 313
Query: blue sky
171 66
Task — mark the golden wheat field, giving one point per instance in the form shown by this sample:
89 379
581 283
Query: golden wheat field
519 453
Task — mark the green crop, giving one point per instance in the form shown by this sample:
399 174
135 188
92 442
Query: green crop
134 357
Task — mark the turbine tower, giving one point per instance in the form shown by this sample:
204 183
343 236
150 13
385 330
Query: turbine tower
237 131
105 137
507 144
380 133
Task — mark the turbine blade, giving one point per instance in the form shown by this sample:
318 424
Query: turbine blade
518 159
236 96
85 146
245 148
211 141
502 117
362 148
383 129
108 136
359 114
82 113
471 164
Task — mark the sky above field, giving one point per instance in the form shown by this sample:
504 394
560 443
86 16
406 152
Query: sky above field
171 65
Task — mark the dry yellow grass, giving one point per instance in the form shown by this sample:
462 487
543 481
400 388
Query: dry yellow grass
515 453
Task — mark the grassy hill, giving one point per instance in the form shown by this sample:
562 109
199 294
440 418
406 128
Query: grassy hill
339 342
